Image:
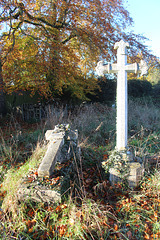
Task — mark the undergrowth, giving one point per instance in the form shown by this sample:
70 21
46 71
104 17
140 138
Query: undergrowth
94 209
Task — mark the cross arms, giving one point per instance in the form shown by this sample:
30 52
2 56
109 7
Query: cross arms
102 68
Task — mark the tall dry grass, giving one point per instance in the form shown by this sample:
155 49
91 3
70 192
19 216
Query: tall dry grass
91 218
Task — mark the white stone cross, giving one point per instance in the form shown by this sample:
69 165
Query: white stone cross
121 68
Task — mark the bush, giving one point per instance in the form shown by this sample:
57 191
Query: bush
107 90
106 93
156 93
139 88
143 113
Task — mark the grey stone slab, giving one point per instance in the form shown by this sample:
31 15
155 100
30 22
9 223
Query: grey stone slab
62 143
38 195
50 135
51 157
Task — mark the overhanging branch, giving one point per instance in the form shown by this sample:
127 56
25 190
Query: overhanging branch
72 35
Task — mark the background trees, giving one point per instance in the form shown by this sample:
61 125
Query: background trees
51 46
2 99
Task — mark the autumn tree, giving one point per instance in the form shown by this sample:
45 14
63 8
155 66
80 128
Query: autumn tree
52 45
154 73
2 98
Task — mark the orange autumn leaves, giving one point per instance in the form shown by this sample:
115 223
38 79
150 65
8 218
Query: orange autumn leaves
44 217
143 214
119 214
56 44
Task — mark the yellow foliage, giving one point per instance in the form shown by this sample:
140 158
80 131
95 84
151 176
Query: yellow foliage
55 44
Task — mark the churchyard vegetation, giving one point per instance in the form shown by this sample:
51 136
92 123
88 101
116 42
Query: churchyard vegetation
52 47
93 209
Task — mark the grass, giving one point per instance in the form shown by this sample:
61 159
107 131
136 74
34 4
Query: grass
94 209
13 178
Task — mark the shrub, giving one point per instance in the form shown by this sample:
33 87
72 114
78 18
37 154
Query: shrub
139 88
106 93
142 113
156 93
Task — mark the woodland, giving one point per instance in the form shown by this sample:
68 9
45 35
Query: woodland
49 49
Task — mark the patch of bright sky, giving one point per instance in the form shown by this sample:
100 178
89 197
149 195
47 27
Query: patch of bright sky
146 17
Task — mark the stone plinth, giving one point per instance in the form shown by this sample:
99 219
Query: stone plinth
136 171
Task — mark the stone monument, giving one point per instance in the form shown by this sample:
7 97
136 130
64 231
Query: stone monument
122 68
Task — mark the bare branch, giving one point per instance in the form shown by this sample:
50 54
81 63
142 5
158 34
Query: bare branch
37 24
36 38
40 19
72 35
13 42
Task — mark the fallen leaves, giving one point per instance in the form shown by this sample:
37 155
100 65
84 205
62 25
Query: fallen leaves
58 222
48 182
2 194
60 207
30 224
115 227
62 230
31 213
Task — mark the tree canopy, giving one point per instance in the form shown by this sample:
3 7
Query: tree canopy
48 45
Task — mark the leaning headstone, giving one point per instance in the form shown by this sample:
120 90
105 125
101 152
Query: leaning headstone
62 143
122 68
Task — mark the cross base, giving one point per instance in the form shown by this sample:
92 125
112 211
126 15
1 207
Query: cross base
126 155
136 171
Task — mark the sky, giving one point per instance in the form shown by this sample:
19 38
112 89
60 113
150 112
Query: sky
146 17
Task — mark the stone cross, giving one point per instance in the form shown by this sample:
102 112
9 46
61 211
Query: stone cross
121 68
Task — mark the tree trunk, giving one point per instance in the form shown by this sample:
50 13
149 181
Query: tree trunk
2 97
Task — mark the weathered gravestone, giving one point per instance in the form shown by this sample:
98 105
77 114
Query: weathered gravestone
122 68
62 145
62 142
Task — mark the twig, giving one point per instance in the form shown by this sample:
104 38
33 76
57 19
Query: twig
96 130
